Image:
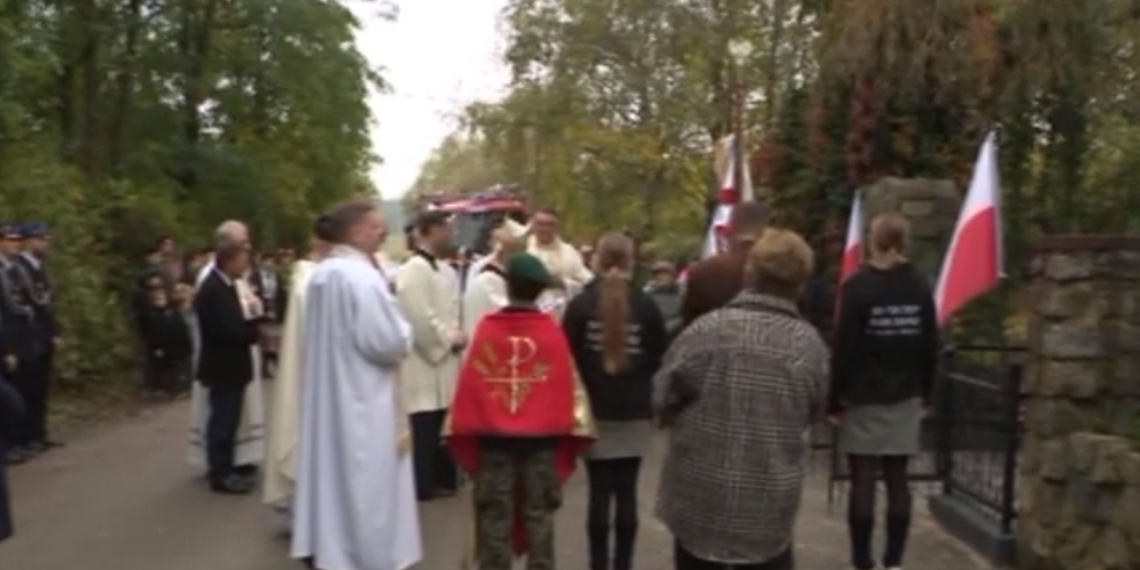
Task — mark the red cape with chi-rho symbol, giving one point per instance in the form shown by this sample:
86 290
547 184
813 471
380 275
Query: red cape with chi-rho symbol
519 380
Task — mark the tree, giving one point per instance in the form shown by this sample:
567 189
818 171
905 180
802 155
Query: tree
613 107
124 120
458 164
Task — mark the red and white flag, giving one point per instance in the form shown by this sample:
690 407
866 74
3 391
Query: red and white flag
853 247
728 195
974 263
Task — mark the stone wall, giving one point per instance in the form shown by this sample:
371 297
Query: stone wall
1079 476
930 205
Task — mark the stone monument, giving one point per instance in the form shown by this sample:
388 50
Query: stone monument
931 205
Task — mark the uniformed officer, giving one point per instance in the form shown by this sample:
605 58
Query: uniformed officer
44 332
17 318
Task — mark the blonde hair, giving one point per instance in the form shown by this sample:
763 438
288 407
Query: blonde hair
890 232
506 242
779 263
613 260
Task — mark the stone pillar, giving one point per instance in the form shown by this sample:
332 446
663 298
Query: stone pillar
1079 478
930 205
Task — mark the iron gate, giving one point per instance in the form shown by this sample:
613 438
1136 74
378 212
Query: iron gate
969 444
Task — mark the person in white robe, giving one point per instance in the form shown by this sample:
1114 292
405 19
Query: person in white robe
250 451
562 260
354 506
284 426
428 292
487 290
388 267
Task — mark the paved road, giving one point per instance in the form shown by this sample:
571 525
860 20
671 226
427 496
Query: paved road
122 498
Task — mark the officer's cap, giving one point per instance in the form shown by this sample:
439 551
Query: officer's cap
36 230
11 231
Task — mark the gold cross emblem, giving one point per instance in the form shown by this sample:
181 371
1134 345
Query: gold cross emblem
511 379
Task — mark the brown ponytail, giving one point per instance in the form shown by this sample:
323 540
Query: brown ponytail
613 259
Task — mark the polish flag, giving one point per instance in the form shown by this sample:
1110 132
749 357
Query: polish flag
853 247
974 261
728 195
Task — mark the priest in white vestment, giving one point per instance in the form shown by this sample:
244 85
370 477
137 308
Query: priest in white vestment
250 451
284 426
561 259
355 506
427 287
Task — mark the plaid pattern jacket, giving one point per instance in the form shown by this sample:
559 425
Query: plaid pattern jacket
743 385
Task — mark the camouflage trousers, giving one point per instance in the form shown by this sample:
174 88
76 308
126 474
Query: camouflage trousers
526 478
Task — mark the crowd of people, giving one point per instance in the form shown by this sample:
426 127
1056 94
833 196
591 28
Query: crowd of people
29 336
398 384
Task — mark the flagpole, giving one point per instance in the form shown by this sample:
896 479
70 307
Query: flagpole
738 141
738 51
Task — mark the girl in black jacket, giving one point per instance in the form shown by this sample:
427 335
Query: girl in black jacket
884 358
618 338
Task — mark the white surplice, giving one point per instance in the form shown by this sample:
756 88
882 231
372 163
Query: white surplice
284 424
250 449
563 262
566 264
486 293
429 296
355 502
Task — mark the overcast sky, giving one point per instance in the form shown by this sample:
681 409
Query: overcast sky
439 55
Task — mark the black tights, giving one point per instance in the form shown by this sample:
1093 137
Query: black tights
612 481
865 470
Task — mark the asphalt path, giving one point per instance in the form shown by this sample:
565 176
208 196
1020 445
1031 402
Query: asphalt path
122 497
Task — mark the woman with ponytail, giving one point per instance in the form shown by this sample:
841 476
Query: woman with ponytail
618 338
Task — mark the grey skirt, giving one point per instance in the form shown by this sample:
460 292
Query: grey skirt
621 439
892 429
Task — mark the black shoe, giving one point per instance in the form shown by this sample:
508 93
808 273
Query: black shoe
35 448
16 456
444 493
51 444
246 470
232 485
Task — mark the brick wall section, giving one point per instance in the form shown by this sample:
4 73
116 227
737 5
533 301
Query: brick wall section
1079 478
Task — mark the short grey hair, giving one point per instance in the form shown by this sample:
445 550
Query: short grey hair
345 215
227 231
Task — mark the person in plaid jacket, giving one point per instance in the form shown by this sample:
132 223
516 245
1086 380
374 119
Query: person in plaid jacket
739 388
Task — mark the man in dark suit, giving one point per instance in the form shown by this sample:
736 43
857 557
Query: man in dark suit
11 425
225 362
17 333
713 282
44 330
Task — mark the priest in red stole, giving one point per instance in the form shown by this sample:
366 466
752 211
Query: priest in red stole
518 423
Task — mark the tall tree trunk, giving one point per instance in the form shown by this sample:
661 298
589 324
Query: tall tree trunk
125 84
65 107
773 72
194 43
261 100
92 82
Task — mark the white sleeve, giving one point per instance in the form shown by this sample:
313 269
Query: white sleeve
379 331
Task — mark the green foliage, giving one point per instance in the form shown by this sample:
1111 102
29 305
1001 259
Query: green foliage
613 108
458 164
124 121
